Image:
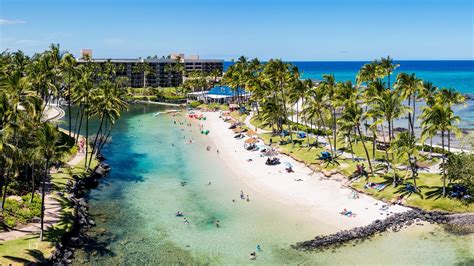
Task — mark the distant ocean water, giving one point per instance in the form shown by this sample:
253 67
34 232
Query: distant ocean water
450 74
457 74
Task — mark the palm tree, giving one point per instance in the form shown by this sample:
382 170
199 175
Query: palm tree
48 144
328 84
439 118
408 86
450 96
388 67
68 66
353 116
404 148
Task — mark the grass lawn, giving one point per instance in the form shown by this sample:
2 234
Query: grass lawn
429 184
430 197
30 248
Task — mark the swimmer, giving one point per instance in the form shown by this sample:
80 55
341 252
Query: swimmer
259 248
248 198
185 221
217 224
209 183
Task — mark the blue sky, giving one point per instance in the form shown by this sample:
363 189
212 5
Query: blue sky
291 30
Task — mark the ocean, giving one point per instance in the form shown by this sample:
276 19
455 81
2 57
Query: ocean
457 74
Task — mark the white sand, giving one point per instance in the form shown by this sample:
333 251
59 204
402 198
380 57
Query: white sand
322 199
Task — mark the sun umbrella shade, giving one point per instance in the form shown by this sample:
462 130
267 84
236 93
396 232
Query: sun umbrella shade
251 140
270 153
251 133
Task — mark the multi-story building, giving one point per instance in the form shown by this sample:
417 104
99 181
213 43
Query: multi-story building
162 72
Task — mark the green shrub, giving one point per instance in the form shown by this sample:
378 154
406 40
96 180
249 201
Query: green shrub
195 104
22 212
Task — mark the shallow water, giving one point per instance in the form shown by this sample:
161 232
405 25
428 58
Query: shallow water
134 210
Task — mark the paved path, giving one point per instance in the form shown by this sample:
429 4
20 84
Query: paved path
52 213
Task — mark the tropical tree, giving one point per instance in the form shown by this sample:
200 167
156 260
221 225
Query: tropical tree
439 118
48 142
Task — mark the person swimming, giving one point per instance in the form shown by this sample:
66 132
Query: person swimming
253 256
185 221
217 224
259 248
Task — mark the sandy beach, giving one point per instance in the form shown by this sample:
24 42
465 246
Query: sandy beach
323 199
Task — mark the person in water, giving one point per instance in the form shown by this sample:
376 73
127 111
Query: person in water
259 248
217 224
185 221
248 198
242 195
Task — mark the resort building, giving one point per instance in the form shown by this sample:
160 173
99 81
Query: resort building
160 72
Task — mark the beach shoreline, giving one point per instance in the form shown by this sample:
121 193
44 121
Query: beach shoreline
323 199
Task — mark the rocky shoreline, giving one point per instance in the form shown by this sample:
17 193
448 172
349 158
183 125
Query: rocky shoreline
77 236
394 222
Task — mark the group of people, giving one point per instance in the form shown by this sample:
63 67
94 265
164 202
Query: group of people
360 170
242 196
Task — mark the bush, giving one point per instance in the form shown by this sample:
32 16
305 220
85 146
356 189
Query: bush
21 212
195 104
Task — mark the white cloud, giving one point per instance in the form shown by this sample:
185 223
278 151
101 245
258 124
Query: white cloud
11 22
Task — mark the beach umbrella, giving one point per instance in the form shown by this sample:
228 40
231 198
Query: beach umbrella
251 133
251 140
237 130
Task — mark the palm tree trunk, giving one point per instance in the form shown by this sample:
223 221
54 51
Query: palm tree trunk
443 164
326 133
43 192
87 140
431 147
95 142
374 144
5 191
366 151
286 114
449 141
32 182
350 144
78 133
334 132
69 108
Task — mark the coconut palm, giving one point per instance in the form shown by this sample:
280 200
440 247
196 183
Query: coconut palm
387 66
328 85
70 73
440 118
404 148
48 144
408 86
353 116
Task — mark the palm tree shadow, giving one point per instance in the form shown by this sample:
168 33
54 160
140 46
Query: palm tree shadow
436 193
38 256
407 190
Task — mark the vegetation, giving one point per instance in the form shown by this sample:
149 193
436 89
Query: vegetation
30 145
357 119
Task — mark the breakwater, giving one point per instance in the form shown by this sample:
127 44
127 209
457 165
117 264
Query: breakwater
394 222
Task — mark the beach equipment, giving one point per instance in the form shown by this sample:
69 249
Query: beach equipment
284 133
205 132
251 141
251 133
301 134
325 155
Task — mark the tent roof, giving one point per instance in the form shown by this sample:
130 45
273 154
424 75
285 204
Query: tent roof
226 91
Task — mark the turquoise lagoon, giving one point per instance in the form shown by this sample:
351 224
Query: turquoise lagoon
134 208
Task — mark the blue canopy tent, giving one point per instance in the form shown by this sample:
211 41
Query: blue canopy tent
301 134
225 93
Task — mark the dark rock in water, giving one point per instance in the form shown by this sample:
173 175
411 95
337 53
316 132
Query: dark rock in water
394 222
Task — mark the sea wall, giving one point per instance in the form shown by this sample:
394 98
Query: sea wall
394 222
77 236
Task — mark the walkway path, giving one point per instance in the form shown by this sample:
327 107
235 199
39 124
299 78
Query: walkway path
52 213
